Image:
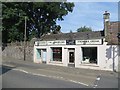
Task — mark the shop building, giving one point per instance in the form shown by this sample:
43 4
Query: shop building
94 50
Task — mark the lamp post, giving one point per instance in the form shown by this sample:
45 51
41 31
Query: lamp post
25 40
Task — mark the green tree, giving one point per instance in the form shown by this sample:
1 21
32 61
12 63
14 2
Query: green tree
84 29
41 18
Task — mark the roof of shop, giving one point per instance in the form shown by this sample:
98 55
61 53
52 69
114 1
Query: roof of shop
113 30
74 36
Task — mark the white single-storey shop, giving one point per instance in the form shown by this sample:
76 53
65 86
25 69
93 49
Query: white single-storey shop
94 50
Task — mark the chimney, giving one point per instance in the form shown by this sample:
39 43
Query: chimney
106 17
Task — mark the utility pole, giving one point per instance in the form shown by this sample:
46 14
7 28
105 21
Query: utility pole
25 40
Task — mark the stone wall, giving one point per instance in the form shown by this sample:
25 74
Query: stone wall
16 50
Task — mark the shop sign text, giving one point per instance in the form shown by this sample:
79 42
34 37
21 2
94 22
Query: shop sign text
94 41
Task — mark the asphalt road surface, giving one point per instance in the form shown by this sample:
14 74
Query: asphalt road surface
17 79
108 82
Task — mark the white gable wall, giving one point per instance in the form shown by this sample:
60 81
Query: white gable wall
112 57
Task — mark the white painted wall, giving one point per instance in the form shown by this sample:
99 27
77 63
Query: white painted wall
77 56
48 54
112 57
104 63
101 56
65 56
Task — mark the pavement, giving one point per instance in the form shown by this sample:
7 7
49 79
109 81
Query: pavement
87 77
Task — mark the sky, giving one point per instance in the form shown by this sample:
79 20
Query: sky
88 14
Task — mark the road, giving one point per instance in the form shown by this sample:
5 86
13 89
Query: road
12 78
17 79
107 81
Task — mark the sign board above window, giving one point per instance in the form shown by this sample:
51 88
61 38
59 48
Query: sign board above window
70 42
38 43
42 42
87 42
57 42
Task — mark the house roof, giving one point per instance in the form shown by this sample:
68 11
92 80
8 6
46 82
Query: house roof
74 36
113 30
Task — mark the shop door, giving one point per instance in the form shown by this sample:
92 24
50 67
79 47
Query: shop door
71 57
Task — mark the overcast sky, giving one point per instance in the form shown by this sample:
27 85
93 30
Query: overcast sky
88 14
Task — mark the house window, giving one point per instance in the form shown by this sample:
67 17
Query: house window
89 55
57 54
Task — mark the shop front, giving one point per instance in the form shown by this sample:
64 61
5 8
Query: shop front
73 53
92 54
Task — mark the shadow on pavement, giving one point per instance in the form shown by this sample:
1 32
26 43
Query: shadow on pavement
4 69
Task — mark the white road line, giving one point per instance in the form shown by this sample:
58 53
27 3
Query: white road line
51 76
20 70
96 81
79 82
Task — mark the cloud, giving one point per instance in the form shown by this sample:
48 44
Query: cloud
88 14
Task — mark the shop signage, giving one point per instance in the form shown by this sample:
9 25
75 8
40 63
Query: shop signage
42 43
87 42
57 42
38 43
70 42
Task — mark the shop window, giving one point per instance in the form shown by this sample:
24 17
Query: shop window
57 54
89 55
38 53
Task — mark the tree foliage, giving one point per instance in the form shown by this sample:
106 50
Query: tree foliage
84 29
41 18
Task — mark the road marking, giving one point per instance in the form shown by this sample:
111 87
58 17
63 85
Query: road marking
56 77
78 82
21 70
96 81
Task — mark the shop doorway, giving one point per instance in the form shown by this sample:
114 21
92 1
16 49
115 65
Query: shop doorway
71 57
71 52
89 55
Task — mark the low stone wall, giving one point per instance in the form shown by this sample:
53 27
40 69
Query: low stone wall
17 51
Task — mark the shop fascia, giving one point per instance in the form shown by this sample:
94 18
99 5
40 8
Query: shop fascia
70 42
